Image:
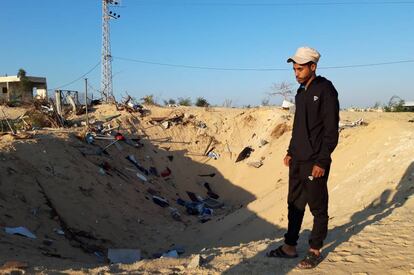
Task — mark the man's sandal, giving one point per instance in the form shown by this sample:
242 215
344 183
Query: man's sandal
279 253
310 261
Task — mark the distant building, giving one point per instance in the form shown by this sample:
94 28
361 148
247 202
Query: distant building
11 88
409 106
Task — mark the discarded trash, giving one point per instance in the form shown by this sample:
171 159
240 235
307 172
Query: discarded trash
89 138
160 201
102 171
166 124
245 153
132 159
170 254
212 203
195 208
263 142
310 178
213 155
142 177
175 214
210 192
344 125
193 197
207 175
255 164
59 231
166 172
201 125
124 256
23 231
154 171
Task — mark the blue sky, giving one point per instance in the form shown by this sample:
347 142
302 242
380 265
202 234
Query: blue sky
61 40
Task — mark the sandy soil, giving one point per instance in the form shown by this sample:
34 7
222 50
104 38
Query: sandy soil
54 181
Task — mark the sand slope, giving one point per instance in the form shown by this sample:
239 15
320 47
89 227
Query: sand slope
47 183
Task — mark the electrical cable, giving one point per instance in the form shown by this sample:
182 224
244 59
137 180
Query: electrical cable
214 68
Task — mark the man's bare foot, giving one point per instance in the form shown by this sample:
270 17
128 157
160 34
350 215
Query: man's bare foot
289 249
311 260
317 252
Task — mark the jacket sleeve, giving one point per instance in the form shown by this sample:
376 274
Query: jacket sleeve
330 116
291 143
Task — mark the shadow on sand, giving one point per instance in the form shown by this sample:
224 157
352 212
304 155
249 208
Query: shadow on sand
380 208
61 177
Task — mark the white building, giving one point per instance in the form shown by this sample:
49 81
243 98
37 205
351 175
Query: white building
11 88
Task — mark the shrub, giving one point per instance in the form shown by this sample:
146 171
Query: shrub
201 102
184 101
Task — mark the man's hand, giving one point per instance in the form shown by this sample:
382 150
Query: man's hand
317 171
287 160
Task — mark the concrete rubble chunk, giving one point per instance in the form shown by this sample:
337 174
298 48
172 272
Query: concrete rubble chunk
195 262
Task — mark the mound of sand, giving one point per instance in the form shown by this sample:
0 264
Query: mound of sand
79 203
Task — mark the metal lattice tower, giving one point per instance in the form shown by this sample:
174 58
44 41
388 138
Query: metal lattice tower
106 81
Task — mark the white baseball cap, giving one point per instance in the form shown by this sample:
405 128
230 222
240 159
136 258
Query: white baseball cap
305 55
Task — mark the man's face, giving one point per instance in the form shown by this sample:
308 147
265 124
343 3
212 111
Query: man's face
304 72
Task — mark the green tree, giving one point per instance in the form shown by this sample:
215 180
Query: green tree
395 104
24 86
170 102
184 101
148 100
202 102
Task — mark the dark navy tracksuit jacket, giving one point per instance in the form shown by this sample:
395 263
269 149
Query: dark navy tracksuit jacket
315 127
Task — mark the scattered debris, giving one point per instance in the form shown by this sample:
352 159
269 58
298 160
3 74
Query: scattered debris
22 231
175 214
195 262
141 177
411 120
160 201
213 155
207 175
212 203
166 172
263 142
201 125
132 159
346 124
124 256
210 192
255 164
245 153
59 231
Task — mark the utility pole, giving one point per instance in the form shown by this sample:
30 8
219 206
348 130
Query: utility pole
86 102
106 81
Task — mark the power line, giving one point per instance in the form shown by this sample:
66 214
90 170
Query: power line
196 67
77 79
338 3
216 68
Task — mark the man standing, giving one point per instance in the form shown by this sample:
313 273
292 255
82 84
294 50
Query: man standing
314 137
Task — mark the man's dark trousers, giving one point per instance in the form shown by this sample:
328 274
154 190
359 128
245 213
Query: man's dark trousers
304 191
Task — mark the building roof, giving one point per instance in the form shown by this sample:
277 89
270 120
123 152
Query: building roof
408 104
14 78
